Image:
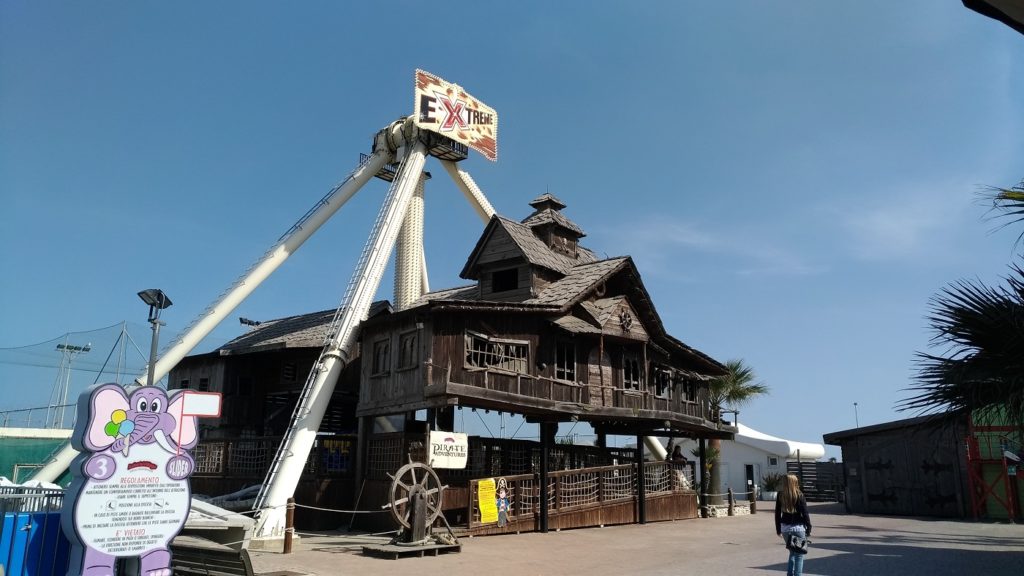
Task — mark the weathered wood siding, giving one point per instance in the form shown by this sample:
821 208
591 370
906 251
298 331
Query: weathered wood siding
398 385
522 290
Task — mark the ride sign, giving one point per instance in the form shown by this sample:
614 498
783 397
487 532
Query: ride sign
130 494
449 450
449 110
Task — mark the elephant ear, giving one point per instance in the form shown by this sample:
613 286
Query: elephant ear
96 407
185 433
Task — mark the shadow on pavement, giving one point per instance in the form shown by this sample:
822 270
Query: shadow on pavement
855 559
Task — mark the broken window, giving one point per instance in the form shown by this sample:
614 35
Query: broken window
381 357
486 352
662 383
630 372
565 361
690 390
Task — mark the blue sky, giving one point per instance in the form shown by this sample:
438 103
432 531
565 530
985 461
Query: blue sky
793 179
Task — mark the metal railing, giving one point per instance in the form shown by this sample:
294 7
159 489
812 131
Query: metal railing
44 416
31 540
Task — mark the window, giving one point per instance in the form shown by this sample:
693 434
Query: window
630 372
204 385
288 372
662 383
505 280
690 390
485 352
773 461
381 357
407 350
184 384
565 361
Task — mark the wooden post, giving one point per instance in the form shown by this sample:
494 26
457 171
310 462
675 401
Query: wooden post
752 498
289 525
641 482
703 452
546 437
732 503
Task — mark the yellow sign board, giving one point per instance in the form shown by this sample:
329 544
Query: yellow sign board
485 495
449 110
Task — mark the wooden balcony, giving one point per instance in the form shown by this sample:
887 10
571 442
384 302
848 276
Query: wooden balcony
540 396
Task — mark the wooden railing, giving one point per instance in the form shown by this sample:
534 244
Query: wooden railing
570 490
545 388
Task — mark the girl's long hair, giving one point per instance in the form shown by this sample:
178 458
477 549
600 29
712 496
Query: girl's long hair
790 494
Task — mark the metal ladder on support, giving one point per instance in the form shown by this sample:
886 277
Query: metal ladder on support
329 347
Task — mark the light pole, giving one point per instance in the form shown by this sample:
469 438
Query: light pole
68 353
157 301
856 417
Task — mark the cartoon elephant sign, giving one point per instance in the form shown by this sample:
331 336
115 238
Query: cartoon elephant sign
130 494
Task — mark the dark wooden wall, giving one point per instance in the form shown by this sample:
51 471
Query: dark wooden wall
916 471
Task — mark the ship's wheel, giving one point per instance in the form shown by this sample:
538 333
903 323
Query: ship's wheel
411 480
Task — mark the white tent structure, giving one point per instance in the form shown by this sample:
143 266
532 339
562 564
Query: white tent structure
752 454
785 449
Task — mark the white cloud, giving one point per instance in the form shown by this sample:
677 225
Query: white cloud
659 243
909 223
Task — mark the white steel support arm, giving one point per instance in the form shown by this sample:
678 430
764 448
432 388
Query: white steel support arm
473 193
234 295
409 252
294 450
424 277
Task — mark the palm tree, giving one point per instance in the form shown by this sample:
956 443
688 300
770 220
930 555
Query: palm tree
1008 203
735 388
980 330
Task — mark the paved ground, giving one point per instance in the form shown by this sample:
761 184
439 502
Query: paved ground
843 545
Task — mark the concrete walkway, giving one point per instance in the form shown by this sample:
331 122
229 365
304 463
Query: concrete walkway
842 545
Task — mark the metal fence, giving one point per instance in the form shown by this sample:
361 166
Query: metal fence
31 540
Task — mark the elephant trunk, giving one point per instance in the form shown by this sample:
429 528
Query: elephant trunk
144 424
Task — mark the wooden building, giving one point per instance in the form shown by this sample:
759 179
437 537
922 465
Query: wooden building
943 465
546 330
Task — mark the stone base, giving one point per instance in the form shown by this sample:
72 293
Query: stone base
723 510
273 544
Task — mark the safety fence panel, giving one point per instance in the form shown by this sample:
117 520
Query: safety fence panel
31 540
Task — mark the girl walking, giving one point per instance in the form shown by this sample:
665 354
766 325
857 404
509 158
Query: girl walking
793 523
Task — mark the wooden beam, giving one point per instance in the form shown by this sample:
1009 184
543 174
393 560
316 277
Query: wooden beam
641 482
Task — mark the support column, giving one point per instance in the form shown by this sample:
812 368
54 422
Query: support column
547 441
641 482
409 262
703 453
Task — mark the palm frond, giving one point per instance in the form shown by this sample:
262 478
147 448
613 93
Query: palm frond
736 387
1008 204
980 366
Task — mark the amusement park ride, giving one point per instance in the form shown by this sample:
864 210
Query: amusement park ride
447 122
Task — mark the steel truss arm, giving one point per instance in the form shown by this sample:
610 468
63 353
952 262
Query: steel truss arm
236 293
290 461
472 192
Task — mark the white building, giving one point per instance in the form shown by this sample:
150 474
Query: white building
753 454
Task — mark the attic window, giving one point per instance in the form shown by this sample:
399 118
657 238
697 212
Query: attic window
486 352
505 280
